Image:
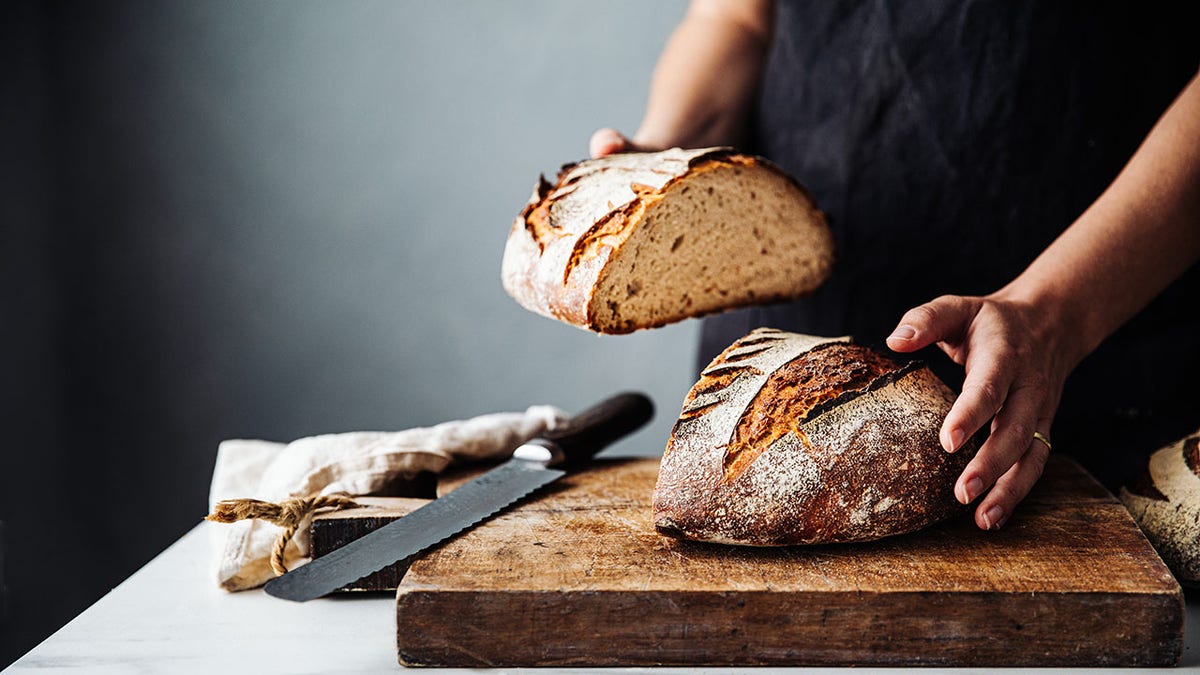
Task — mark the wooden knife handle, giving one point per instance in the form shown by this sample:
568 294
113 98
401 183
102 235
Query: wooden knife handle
594 429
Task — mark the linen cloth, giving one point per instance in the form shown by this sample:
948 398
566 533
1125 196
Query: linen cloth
357 463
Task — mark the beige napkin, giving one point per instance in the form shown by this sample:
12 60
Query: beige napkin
358 463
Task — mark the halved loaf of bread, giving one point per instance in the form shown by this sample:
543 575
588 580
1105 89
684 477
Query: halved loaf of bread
793 439
1165 502
641 240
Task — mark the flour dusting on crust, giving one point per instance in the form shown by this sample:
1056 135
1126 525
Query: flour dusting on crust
866 465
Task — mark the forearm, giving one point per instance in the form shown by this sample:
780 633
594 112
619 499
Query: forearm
1138 237
708 75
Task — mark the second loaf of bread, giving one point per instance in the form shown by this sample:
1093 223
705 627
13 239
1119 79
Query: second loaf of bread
1165 502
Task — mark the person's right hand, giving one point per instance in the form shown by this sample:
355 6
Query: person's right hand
608 141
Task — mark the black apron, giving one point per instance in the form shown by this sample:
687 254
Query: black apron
949 143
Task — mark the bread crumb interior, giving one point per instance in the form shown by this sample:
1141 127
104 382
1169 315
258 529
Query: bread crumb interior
727 237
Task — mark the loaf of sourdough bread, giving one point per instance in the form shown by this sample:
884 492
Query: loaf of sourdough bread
640 240
793 439
1165 502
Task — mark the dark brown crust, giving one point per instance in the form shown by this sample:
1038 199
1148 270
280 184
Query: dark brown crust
1191 454
794 391
746 354
536 213
845 397
860 464
543 277
1143 486
765 338
711 383
713 380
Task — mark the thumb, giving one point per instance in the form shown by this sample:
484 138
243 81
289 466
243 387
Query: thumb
944 319
607 141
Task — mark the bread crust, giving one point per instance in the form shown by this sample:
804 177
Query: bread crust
1165 502
862 464
560 244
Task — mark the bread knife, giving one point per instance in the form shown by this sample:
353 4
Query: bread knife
533 465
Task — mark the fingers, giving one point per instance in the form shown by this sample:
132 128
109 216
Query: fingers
607 141
1011 379
1013 486
990 375
944 319
1012 433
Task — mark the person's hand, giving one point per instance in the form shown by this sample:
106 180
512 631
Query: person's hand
607 141
1016 364
1019 344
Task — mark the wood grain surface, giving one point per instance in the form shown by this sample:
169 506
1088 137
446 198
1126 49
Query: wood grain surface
335 529
577 576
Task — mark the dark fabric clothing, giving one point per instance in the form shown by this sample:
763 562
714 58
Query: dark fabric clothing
949 143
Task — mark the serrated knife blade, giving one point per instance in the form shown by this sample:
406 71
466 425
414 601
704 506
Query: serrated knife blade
537 463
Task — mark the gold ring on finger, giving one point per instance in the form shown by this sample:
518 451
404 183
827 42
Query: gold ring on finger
1039 436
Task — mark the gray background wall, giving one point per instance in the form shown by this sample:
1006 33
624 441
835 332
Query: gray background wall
272 220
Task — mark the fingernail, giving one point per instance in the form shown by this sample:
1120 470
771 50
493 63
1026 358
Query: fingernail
903 333
993 518
972 489
956 439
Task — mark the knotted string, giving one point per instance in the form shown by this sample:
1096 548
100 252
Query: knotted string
287 514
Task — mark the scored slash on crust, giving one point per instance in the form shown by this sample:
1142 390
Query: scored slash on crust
792 393
641 240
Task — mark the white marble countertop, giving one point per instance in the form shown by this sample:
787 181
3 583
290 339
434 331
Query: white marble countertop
170 617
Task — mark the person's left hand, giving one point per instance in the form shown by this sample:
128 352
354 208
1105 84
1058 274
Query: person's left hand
1016 363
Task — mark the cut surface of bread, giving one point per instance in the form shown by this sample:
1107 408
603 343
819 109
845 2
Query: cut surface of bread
642 240
794 439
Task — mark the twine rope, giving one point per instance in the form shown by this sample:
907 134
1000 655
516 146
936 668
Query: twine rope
287 514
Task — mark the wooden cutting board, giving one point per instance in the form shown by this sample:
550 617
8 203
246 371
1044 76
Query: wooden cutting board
578 577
